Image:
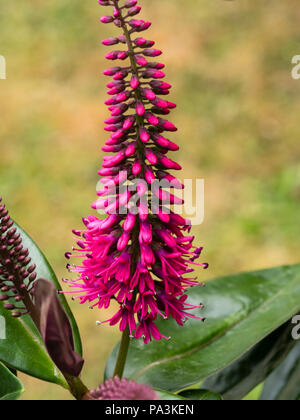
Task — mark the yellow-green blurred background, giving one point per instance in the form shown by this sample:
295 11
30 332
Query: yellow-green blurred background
238 114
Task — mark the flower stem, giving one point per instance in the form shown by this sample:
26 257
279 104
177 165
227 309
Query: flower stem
125 341
123 352
18 281
77 388
137 94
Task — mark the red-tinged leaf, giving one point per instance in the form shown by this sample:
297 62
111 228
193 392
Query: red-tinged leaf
56 329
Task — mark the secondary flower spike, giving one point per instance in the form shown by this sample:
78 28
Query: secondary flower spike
121 389
138 255
17 273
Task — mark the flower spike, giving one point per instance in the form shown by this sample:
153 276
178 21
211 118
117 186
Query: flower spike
17 273
121 389
139 255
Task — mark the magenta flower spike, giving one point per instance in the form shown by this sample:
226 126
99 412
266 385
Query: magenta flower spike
139 256
116 389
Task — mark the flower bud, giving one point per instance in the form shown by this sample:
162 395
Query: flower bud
106 19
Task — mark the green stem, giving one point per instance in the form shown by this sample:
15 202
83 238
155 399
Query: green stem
77 387
123 352
125 341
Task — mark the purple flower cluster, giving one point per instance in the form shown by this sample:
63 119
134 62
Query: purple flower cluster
138 258
17 273
117 389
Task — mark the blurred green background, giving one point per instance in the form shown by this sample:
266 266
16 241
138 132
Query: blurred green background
238 114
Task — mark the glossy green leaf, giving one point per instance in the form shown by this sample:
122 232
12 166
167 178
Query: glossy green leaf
201 394
241 310
168 396
284 383
21 350
10 386
44 270
242 376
